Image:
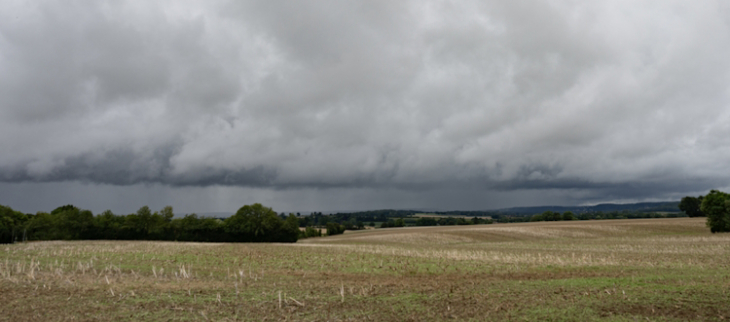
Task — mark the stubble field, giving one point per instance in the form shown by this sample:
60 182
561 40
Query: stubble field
615 270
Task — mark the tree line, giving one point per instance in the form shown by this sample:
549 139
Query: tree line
715 206
569 215
256 223
402 218
251 223
449 221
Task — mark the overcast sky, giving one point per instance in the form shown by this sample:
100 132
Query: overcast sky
347 105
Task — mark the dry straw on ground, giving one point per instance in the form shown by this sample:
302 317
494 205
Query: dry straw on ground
621 269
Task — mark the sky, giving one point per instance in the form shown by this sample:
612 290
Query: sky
354 105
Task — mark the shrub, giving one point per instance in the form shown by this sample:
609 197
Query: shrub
311 232
334 229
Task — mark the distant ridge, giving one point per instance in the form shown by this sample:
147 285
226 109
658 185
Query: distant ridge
664 206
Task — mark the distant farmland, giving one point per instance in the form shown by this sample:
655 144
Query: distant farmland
434 215
641 269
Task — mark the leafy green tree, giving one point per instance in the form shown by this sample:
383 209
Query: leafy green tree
193 228
12 224
74 223
65 223
334 228
79 224
305 221
447 221
68 223
63 209
139 223
159 223
7 225
426 221
311 232
350 224
289 232
108 226
254 223
568 215
42 226
400 222
551 216
167 213
692 206
321 220
186 228
715 206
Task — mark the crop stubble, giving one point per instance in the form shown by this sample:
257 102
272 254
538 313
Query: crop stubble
656 269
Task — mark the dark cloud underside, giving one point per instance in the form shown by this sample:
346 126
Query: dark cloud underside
438 103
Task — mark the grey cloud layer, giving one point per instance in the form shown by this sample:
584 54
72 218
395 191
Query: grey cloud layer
414 95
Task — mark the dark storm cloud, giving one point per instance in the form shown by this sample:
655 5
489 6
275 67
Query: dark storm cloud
625 99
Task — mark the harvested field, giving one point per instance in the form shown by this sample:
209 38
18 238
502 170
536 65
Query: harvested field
617 270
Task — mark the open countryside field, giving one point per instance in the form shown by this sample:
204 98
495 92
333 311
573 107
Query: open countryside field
614 270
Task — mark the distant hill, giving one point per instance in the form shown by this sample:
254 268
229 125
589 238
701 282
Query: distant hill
665 206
